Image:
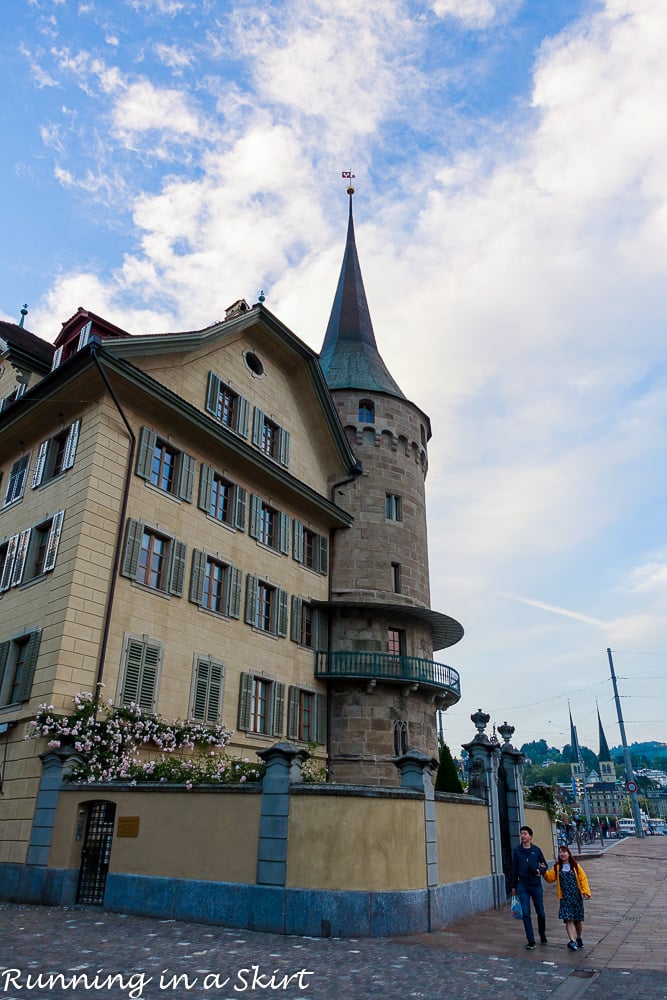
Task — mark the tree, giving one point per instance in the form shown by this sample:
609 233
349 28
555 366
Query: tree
447 778
538 752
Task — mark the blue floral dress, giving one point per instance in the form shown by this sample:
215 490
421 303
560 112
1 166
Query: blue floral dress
572 903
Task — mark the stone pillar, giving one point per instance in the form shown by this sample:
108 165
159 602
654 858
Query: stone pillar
483 763
283 768
513 766
57 765
416 769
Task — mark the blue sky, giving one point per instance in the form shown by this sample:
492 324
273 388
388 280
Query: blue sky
162 158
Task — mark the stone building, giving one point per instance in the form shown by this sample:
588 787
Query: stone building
220 525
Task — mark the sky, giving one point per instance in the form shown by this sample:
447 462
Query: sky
163 158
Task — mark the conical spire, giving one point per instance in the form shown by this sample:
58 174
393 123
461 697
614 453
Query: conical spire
604 747
350 358
574 742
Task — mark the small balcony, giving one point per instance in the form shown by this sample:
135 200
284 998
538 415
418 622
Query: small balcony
371 667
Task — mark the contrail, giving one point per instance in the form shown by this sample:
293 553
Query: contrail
557 611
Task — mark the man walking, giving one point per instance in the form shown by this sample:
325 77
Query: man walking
528 864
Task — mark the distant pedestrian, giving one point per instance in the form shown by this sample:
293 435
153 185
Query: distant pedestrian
528 864
572 889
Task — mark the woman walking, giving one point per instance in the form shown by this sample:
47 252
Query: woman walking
572 889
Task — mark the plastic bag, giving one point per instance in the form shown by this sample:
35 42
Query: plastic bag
516 908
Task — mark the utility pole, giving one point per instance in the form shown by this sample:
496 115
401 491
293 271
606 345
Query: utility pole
630 783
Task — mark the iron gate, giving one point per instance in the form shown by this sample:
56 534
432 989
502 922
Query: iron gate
96 853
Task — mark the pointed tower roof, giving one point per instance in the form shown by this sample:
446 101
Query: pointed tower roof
574 742
350 358
604 747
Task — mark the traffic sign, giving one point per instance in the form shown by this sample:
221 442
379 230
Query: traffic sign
631 786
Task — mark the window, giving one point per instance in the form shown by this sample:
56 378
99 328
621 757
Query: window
396 642
261 705
154 559
400 737
270 438
16 481
18 658
227 406
215 585
265 606
206 696
55 455
310 548
268 525
393 507
366 411
164 466
139 673
31 553
222 499
306 623
13 396
73 345
396 577
306 716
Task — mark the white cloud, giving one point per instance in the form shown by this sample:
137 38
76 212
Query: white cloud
143 107
473 13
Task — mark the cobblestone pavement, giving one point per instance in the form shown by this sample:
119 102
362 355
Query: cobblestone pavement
118 956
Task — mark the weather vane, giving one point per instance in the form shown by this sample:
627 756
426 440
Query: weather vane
347 175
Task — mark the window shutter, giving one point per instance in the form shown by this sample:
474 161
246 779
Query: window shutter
21 556
319 623
283 445
295 620
16 481
31 653
147 442
148 685
320 718
40 462
133 536
257 427
212 393
243 418
250 599
214 693
282 616
133 661
5 581
84 335
70 445
278 691
293 714
297 540
4 654
240 504
197 576
53 541
199 696
284 522
177 554
245 699
57 358
255 510
323 564
205 488
233 602
186 476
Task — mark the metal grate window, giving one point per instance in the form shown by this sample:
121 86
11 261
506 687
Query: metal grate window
96 853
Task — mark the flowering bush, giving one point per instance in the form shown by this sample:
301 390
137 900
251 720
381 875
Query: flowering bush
123 744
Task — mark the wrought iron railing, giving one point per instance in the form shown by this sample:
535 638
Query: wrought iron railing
386 666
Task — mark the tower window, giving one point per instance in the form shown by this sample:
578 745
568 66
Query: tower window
396 642
366 411
396 577
393 507
400 737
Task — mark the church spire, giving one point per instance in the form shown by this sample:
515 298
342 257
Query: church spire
350 358
574 742
604 747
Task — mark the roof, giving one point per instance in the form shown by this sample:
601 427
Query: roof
22 344
349 357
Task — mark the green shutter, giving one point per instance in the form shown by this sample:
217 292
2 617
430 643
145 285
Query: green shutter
295 621
197 576
133 662
323 564
240 504
212 393
257 427
245 699
255 510
177 554
186 477
4 655
297 540
205 488
250 600
234 576
243 416
278 691
284 526
133 536
29 664
283 445
147 442
214 693
148 685
293 713
199 695
318 625
321 718
282 615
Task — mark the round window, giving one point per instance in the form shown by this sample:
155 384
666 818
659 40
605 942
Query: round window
254 363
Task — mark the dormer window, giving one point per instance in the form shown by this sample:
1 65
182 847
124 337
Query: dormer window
366 411
76 343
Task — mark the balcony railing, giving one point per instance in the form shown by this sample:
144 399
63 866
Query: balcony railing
387 667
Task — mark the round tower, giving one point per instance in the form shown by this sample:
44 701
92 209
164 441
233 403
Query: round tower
384 687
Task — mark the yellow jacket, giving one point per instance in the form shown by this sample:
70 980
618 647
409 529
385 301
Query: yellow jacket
552 876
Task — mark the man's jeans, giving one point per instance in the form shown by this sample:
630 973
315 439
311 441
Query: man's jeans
525 893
